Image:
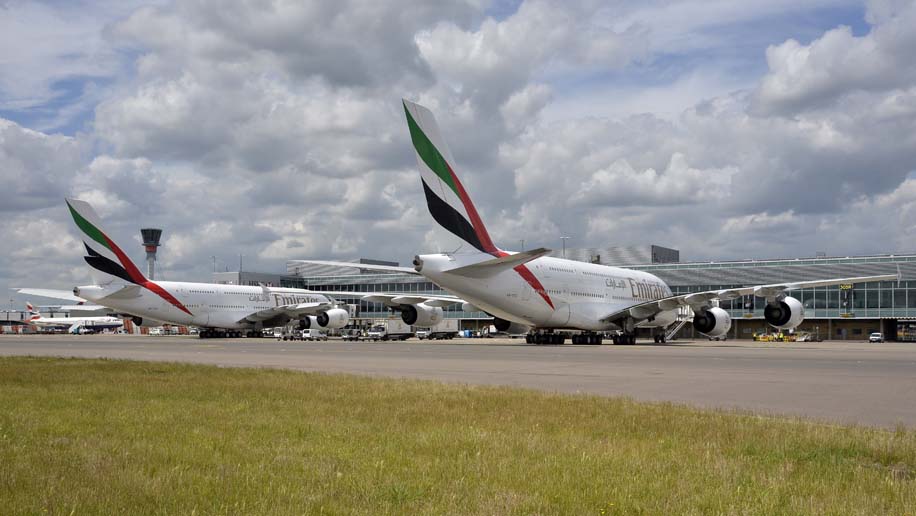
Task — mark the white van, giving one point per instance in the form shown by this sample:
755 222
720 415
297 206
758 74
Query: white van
314 334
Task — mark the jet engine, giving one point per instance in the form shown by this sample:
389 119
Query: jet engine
307 322
333 318
512 328
421 315
784 314
713 322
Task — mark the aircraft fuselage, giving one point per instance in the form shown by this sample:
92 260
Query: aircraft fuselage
198 304
550 292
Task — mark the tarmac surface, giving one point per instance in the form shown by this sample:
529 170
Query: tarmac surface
836 382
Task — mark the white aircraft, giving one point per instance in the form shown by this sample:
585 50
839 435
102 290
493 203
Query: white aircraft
221 310
530 289
74 325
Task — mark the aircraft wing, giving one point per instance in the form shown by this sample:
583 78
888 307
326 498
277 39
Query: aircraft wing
696 300
74 308
65 295
367 266
291 311
394 299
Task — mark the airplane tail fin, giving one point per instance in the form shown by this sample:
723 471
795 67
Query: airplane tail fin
446 198
108 262
33 313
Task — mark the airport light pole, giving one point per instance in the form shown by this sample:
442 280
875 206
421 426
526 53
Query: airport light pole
214 263
564 239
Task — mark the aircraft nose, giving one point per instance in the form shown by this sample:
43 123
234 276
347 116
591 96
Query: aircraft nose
417 263
76 291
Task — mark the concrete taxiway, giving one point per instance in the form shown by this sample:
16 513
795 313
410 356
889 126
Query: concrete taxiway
860 383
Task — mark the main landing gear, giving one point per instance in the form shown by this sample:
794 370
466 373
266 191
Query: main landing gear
595 339
219 334
559 338
545 338
211 333
624 338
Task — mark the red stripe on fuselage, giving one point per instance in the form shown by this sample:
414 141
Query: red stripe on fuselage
532 280
165 294
139 279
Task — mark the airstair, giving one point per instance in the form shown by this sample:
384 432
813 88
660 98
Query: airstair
684 316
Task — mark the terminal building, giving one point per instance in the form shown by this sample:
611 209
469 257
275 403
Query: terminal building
845 312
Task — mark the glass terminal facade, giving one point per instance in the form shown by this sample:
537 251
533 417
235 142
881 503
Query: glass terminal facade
840 312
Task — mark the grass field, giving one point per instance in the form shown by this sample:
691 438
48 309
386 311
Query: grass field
116 437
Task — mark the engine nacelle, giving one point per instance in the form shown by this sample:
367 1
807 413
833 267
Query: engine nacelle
512 328
421 315
307 322
713 322
140 321
468 307
333 318
785 314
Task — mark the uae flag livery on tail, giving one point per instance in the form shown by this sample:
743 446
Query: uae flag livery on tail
448 201
104 255
446 197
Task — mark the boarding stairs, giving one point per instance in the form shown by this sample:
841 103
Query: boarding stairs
684 316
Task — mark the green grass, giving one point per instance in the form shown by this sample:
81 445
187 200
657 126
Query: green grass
118 437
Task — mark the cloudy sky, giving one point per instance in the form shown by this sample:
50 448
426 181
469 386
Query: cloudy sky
273 129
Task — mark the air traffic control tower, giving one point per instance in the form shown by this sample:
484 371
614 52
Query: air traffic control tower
151 238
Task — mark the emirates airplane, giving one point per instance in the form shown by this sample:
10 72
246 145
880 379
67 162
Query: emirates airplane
529 289
74 325
221 310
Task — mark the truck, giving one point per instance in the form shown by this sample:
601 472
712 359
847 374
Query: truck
446 329
390 329
294 333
